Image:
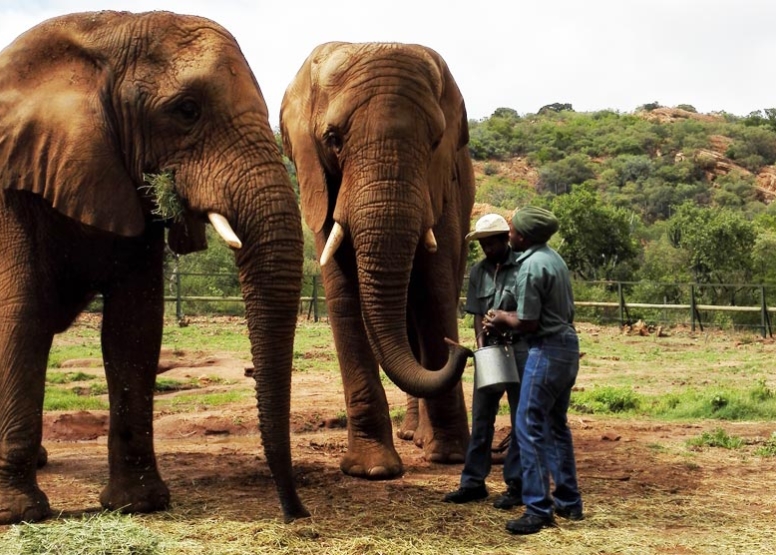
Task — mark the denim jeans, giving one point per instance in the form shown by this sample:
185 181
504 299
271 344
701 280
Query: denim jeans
485 407
546 447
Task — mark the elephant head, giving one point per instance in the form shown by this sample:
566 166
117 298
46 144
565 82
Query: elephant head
93 103
378 135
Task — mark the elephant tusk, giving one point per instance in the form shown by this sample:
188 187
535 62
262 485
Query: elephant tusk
332 243
430 241
222 227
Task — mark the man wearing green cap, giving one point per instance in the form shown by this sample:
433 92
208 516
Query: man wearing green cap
545 315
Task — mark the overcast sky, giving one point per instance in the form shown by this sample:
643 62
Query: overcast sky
717 55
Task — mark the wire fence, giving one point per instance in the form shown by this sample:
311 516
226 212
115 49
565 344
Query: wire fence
697 305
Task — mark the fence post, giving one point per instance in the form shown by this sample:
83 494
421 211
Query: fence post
315 299
622 303
764 312
692 307
178 304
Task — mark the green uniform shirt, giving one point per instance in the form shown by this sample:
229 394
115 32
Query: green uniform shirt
493 286
544 290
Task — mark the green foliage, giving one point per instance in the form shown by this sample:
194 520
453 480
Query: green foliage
768 449
60 378
596 238
649 106
716 438
162 187
500 192
719 243
558 177
761 392
57 398
605 400
753 147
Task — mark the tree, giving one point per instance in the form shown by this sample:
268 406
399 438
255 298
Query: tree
719 244
596 240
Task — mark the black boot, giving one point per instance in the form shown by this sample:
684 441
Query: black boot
464 495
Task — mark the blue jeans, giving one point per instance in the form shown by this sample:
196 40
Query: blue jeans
546 446
484 410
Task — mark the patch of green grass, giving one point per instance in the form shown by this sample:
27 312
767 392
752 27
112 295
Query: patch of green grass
61 353
716 438
397 414
768 448
58 398
98 534
230 338
192 402
605 400
711 403
60 378
165 385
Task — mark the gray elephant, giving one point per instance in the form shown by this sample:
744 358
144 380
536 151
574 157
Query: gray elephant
378 134
91 104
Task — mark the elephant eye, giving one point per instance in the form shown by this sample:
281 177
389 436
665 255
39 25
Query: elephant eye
188 110
333 140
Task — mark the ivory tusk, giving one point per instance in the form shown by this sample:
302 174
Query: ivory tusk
430 241
332 243
222 227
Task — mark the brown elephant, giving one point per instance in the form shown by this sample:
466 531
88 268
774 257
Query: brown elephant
91 103
378 134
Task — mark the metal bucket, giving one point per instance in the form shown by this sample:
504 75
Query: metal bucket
495 367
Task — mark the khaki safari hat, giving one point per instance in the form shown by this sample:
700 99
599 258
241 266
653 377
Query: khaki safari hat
489 224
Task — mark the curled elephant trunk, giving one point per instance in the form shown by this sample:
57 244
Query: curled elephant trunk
384 267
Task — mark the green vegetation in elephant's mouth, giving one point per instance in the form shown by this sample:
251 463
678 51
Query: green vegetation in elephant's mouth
162 187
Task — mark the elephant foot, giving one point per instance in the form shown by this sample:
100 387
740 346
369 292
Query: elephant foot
27 505
382 465
42 457
410 422
405 434
442 449
147 496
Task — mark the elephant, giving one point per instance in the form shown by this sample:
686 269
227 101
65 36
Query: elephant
378 135
91 105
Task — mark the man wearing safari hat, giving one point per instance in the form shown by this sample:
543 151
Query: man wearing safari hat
492 285
545 315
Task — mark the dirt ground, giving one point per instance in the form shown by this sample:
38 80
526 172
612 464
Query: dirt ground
213 462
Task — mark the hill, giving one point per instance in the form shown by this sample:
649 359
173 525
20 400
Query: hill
722 132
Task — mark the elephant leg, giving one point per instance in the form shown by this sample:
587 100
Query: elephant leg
23 358
410 422
131 340
371 452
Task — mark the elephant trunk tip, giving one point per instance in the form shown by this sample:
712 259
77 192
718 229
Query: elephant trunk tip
458 350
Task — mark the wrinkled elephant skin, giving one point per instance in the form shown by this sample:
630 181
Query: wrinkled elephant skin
378 134
90 105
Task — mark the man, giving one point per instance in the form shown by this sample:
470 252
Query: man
492 284
545 314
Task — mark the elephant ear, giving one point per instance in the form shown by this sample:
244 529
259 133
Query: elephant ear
297 125
454 140
56 138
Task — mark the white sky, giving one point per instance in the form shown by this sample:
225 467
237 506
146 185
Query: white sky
523 54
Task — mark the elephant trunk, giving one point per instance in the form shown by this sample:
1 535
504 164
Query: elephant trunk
385 247
270 270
